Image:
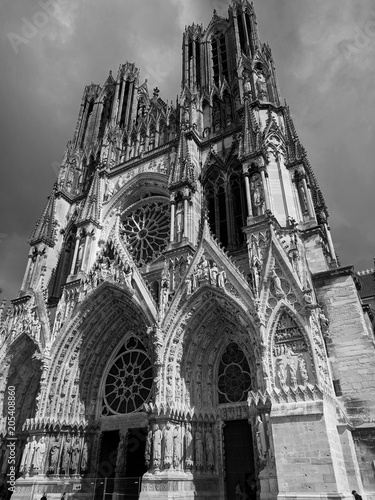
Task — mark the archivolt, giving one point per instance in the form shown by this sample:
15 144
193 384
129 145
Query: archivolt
208 322
81 355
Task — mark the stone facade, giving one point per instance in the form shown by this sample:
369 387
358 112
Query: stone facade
183 319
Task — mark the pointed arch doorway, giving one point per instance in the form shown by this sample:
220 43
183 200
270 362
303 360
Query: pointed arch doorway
234 382
239 457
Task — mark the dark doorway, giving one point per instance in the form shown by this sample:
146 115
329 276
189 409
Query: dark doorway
135 452
107 464
239 456
129 485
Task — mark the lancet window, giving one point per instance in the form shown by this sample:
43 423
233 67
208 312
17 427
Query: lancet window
220 67
225 200
244 31
63 268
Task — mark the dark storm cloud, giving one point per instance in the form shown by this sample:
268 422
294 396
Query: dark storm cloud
325 69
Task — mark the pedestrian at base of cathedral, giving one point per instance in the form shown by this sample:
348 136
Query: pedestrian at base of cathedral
356 495
44 496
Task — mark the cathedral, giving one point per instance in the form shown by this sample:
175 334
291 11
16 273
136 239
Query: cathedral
184 329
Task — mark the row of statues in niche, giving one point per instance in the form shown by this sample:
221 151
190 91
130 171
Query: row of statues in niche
293 373
107 269
58 455
205 272
179 447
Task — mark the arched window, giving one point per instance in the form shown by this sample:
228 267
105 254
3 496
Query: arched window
241 31
216 114
198 62
234 379
63 267
239 207
215 61
228 111
206 119
88 115
226 205
125 103
220 66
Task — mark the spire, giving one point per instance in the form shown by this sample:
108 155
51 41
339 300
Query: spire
297 154
45 227
91 211
182 171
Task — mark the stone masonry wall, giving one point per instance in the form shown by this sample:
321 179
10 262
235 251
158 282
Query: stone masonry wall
309 458
351 346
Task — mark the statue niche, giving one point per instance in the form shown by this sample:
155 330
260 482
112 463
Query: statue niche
257 194
292 362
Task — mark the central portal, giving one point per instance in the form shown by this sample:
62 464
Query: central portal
121 464
239 457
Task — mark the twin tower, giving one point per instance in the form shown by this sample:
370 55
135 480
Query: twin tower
184 323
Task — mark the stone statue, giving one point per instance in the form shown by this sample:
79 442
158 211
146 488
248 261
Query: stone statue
255 274
214 274
164 295
324 324
203 268
210 449
271 451
292 375
257 195
179 221
39 454
198 448
76 448
247 83
279 292
128 274
156 444
25 456
85 457
188 447
28 455
303 371
168 445
66 454
54 454
221 278
261 438
261 85
280 372
148 448
176 447
110 188
303 198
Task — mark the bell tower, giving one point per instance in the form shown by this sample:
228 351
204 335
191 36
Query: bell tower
183 318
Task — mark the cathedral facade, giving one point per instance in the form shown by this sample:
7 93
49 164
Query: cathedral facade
184 323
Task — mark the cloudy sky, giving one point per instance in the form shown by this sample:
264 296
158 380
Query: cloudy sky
325 59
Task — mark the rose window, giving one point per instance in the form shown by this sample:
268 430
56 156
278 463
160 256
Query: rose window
147 230
129 380
234 379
